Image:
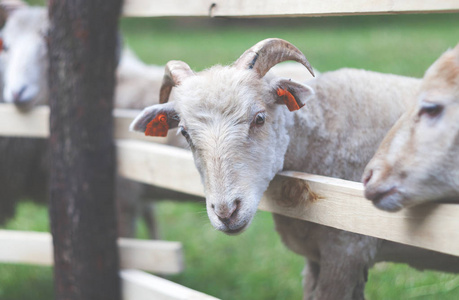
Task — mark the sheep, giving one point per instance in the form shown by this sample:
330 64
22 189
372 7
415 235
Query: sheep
24 64
243 128
22 177
24 57
418 160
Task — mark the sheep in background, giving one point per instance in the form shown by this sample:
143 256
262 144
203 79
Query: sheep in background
418 160
24 162
241 133
24 58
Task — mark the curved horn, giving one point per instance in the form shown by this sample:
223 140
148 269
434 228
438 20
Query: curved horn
176 71
268 53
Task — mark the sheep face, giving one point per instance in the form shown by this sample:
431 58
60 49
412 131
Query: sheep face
238 140
417 161
24 58
238 134
235 128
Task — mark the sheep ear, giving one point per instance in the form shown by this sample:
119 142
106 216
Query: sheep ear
291 93
156 120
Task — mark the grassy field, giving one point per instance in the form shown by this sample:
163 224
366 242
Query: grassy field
404 44
255 265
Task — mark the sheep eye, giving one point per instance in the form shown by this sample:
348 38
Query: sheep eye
259 119
431 110
184 132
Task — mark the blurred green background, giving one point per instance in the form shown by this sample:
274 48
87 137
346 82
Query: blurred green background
255 265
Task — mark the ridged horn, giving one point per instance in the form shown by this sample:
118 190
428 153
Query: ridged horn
175 72
268 53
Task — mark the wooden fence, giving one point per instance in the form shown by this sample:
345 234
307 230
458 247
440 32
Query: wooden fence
341 203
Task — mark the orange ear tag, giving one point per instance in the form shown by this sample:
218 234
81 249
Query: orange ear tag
158 126
288 99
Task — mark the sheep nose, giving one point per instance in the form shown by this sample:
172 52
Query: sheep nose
17 96
226 212
375 187
367 177
371 188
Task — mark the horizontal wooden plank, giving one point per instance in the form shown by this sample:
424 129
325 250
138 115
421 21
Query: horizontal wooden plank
164 166
338 203
283 8
155 8
138 285
36 248
341 204
162 257
26 247
31 124
427 226
35 123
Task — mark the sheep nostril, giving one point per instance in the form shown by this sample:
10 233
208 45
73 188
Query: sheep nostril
237 205
224 220
227 213
367 177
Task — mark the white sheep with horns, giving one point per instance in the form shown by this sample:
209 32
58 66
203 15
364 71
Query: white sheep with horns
241 134
418 160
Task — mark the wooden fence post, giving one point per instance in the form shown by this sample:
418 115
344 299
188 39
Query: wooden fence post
82 54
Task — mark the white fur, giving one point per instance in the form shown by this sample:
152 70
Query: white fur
25 49
418 160
335 134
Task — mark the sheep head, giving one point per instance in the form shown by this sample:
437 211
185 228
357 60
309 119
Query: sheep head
24 55
236 123
417 160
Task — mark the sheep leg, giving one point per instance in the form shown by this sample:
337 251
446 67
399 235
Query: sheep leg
148 212
310 277
128 194
342 279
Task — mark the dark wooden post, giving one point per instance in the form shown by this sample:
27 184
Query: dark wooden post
82 53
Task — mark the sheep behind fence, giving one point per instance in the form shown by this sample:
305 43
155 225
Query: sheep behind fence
312 270
417 162
241 134
24 163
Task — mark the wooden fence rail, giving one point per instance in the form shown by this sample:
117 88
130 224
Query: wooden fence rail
328 201
36 248
166 258
36 123
283 8
338 203
138 285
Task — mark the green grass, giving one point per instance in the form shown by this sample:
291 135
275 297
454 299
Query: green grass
25 282
255 265
402 44
241 267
